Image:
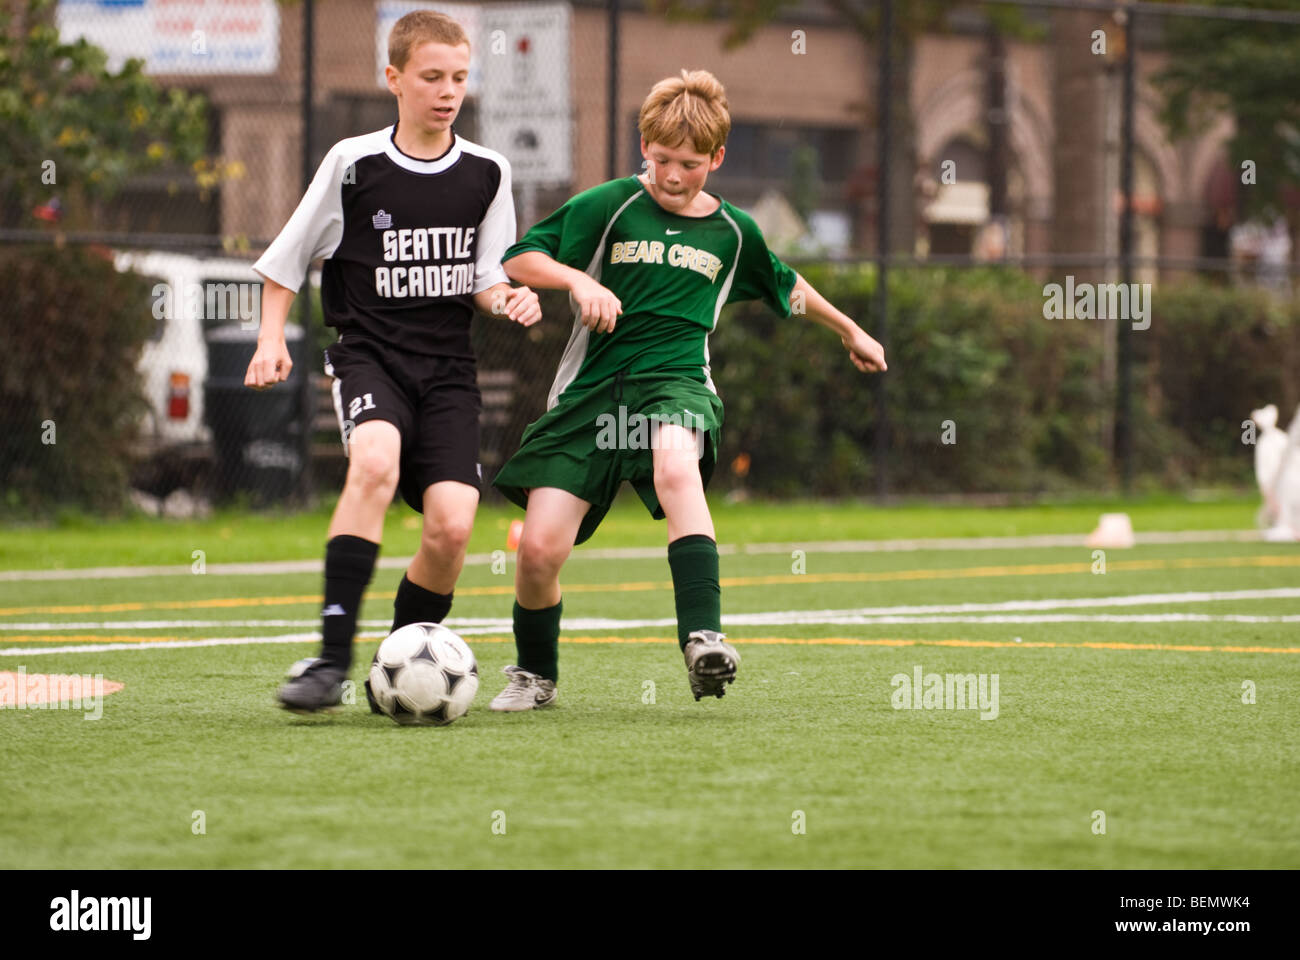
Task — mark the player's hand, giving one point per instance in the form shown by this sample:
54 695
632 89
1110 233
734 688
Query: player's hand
599 307
866 353
522 306
270 365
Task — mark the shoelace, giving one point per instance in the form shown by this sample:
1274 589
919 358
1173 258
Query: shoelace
522 680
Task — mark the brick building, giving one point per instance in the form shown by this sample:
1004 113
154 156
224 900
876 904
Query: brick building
802 92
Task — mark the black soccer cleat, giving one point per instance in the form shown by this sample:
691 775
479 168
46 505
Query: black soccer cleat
319 687
370 697
710 663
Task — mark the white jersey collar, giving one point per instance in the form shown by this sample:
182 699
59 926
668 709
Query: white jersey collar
437 165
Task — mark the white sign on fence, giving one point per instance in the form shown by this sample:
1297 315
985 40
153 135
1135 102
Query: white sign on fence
178 36
525 108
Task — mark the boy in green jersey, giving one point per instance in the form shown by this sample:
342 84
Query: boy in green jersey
649 261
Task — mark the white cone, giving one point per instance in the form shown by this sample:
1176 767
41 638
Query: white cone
1114 531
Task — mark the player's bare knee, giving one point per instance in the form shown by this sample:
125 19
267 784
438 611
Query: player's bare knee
372 473
676 475
447 537
540 558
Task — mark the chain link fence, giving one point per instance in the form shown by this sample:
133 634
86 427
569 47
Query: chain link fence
1027 138
191 223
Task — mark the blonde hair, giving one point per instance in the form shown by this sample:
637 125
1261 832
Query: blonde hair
421 27
690 108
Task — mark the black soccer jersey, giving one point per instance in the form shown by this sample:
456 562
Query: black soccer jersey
406 242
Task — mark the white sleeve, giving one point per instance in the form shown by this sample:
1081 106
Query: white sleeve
314 231
495 234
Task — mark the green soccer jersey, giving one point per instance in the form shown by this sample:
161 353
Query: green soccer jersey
672 274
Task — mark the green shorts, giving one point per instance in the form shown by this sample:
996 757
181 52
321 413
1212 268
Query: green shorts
591 441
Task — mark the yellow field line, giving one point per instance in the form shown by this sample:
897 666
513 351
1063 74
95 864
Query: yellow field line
770 641
883 576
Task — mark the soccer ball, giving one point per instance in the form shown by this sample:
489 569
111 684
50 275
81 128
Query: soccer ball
424 675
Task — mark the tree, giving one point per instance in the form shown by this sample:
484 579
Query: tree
1079 103
76 130
1252 72
863 17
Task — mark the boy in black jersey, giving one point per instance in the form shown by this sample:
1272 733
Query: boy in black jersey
411 222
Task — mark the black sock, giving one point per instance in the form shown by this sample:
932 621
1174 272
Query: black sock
537 640
696 591
349 563
414 604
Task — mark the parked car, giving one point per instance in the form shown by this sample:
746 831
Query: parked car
192 298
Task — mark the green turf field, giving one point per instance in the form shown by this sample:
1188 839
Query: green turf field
1120 692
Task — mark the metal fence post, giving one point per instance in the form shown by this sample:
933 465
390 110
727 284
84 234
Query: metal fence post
1124 410
611 119
306 391
881 446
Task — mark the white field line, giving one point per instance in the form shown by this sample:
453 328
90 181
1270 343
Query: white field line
1000 543
1123 600
270 568
165 644
469 625
967 613
633 624
571 625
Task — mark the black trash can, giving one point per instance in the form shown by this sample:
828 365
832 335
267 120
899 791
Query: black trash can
257 435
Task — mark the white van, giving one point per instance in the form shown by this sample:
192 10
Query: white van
174 362
190 296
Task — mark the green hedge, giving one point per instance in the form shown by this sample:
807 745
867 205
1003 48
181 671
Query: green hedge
1031 408
1026 396
74 329
970 347
1212 355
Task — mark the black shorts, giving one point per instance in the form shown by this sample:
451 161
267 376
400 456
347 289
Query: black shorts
433 401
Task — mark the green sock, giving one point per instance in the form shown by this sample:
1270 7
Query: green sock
537 640
694 562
